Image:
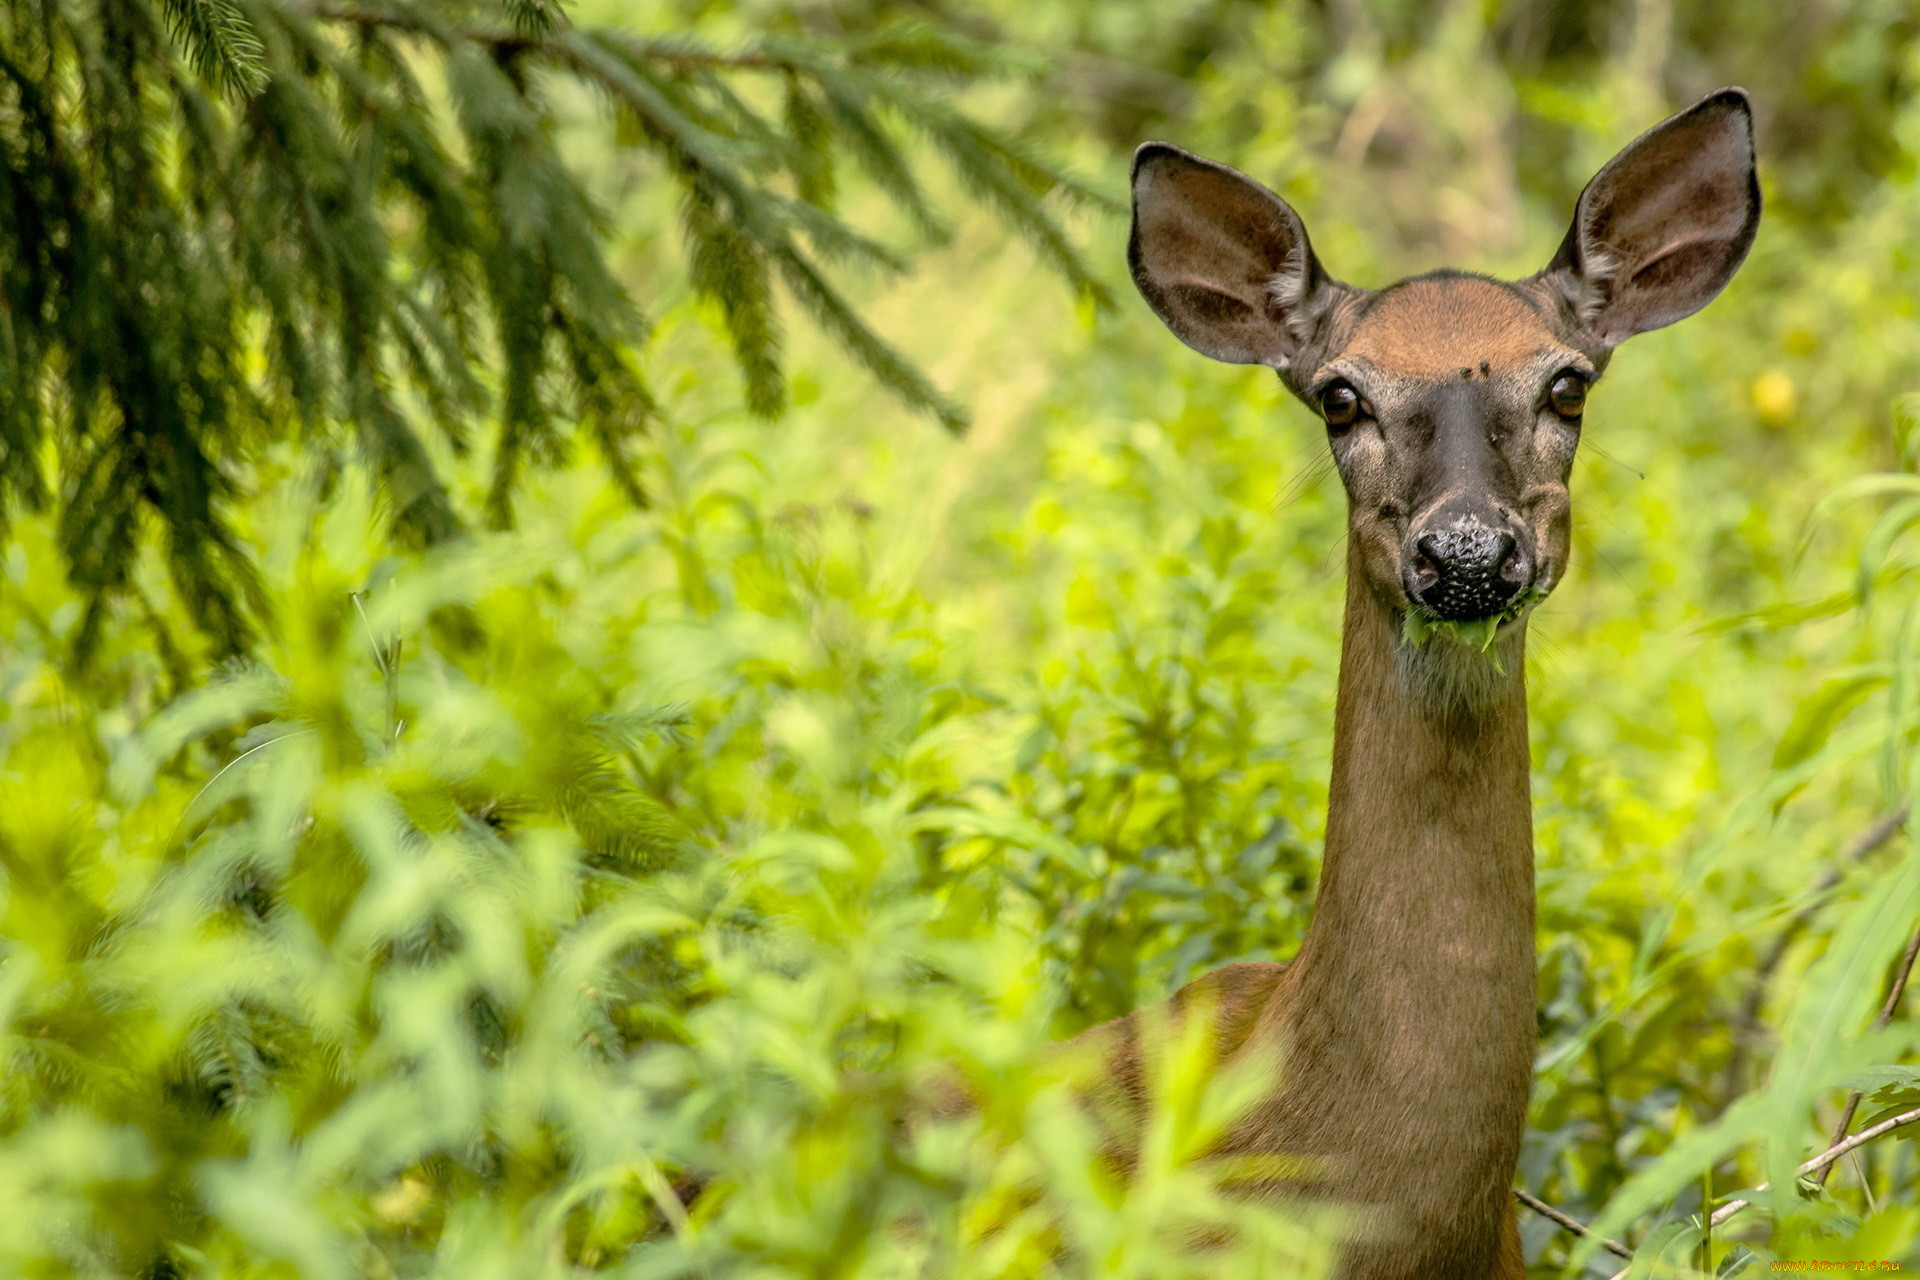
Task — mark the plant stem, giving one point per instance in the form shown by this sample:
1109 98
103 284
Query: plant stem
1886 1015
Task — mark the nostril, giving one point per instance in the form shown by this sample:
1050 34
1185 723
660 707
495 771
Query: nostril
1507 558
1468 569
1515 568
1425 569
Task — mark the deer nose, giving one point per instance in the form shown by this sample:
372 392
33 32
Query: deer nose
1467 570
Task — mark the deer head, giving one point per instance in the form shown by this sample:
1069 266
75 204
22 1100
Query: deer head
1453 401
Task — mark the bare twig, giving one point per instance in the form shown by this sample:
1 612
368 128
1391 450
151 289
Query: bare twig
1878 834
1886 1015
1819 1162
1552 1214
1747 1024
1827 1157
1841 1145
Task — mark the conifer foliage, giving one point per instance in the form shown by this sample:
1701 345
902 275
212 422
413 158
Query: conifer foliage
225 223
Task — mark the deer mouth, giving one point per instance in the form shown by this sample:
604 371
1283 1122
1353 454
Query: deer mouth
1419 624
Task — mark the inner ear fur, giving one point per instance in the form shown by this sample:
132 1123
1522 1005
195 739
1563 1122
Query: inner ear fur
1222 260
1663 226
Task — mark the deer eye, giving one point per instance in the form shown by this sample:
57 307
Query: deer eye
1568 395
1340 405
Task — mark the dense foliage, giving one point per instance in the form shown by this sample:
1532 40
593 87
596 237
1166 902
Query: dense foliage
224 224
612 891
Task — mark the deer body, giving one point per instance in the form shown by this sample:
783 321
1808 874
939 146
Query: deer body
1401 1037
1405 1025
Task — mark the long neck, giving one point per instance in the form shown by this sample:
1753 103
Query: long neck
1412 1011
1428 866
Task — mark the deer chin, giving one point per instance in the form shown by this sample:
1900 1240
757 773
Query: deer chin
1460 670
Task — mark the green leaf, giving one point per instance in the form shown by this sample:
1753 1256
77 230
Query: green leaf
1820 713
1879 541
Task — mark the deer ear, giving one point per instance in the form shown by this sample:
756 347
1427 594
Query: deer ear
1224 261
1663 227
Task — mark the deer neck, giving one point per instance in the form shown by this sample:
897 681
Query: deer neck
1411 1019
1428 869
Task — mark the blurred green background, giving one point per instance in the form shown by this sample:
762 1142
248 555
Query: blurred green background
594 895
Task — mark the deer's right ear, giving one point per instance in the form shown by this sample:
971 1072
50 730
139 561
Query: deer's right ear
1663 227
1224 261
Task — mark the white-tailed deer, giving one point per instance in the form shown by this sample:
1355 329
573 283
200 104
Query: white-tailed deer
1403 1032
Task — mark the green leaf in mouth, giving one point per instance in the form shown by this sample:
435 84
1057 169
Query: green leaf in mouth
1417 626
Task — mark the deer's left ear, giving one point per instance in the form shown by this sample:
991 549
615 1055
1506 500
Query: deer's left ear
1663 227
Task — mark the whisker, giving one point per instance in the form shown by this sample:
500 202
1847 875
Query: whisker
1602 567
1303 480
1543 615
1545 650
1336 557
1595 447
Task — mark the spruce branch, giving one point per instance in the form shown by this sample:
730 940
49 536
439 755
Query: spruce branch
535 18
227 223
834 314
221 42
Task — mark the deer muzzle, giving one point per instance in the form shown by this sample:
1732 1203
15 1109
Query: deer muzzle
1464 565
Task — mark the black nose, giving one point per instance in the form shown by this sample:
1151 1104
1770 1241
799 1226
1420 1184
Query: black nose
1467 570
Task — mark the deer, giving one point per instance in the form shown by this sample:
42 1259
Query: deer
1401 1036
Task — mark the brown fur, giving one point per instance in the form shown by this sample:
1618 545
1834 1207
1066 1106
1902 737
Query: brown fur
1442 326
1404 1066
1458 334
1400 1040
